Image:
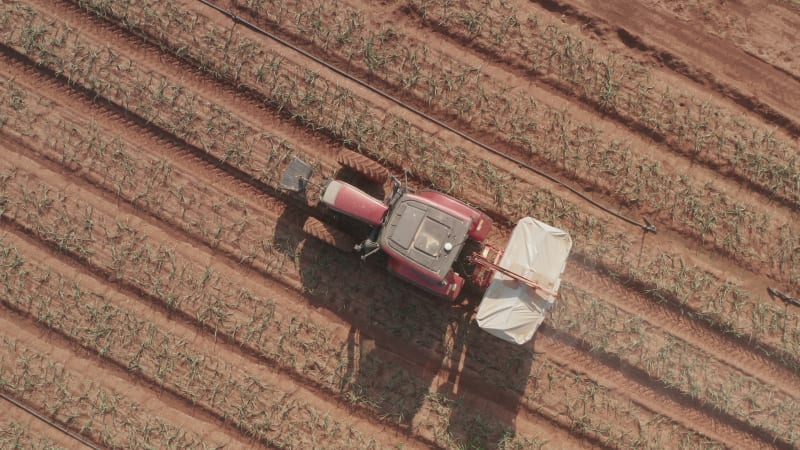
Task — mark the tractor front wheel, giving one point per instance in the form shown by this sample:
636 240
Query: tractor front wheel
362 165
329 234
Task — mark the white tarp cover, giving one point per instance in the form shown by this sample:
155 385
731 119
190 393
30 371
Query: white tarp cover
511 310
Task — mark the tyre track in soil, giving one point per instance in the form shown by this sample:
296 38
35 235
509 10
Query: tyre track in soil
410 358
153 310
10 413
395 348
177 411
706 255
147 55
770 91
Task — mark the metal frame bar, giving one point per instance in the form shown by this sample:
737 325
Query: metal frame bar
481 259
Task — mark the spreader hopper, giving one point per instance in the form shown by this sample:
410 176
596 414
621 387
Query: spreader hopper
522 281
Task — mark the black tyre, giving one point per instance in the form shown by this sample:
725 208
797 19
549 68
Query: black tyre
364 166
329 234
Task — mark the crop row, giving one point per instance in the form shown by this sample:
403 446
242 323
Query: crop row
665 276
694 125
270 413
108 73
548 134
290 350
677 364
105 416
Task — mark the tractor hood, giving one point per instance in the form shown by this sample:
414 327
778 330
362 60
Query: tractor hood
348 199
510 309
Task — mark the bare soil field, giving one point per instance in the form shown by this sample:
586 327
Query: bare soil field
158 291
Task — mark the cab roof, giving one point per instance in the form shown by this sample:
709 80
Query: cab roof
424 235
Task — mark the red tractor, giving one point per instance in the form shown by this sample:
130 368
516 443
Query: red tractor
423 233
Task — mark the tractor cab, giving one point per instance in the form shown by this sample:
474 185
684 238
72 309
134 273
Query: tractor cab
423 235
423 240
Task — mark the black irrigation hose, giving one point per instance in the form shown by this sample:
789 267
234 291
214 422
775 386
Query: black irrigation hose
646 226
49 422
776 293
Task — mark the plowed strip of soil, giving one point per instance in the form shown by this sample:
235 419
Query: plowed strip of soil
715 344
189 344
697 43
72 393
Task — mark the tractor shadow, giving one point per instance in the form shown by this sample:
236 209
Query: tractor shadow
417 361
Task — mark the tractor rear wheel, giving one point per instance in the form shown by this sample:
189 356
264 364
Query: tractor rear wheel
362 165
329 234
